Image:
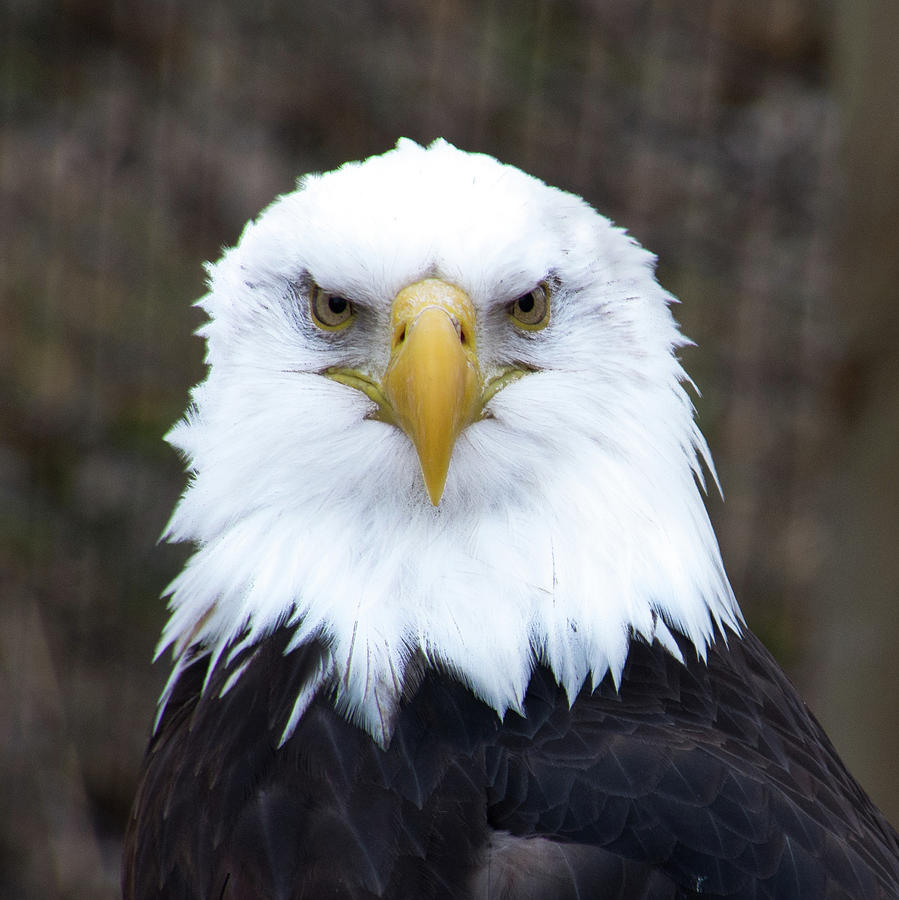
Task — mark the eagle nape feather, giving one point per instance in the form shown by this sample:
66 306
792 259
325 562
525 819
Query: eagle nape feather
456 624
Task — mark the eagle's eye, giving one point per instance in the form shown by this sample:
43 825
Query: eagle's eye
531 310
330 311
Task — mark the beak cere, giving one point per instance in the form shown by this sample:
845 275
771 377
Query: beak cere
433 382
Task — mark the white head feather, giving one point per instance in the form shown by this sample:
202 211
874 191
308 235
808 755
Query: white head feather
572 517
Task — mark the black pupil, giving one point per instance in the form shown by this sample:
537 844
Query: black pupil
337 305
526 303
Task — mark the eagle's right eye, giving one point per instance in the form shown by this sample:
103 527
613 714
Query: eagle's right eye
330 312
531 311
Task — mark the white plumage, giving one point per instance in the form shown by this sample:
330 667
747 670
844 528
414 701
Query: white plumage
572 516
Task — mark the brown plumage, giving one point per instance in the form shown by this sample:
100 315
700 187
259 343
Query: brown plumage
690 780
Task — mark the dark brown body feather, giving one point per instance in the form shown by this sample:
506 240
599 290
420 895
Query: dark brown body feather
695 779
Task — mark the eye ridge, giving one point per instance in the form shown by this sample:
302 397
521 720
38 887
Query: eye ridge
328 311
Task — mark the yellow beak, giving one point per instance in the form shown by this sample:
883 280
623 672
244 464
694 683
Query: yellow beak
433 382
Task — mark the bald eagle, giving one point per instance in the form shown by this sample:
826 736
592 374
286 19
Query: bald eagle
456 624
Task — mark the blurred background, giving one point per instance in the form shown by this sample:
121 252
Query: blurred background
753 146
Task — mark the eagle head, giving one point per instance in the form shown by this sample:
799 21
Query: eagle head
444 423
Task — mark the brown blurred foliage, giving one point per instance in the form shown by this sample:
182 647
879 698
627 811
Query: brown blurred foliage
753 146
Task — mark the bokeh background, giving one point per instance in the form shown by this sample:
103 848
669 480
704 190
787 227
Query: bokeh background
753 146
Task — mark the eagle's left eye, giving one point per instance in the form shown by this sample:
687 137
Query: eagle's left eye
330 311
531 310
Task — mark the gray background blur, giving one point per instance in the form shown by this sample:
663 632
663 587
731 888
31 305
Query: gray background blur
753 146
